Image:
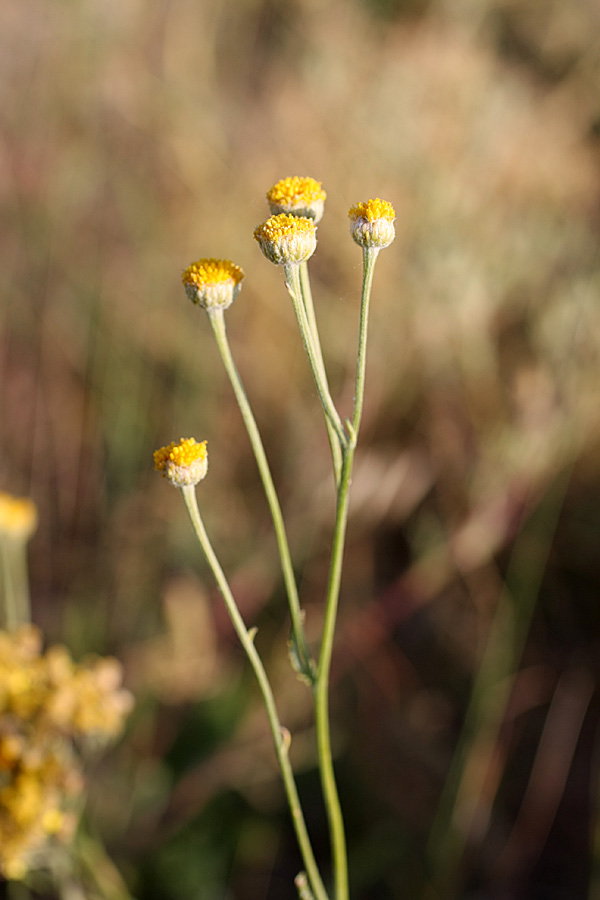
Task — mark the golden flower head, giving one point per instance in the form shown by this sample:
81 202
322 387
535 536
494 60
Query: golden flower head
212 283
18 517
372 223
297 196
182 464
287 240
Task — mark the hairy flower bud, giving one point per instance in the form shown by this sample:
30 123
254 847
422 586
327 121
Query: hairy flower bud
287 240
372 223
297 196
183 464
212 283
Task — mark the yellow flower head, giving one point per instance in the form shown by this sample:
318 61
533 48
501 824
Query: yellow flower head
287 240
212 283
18 517
297 196
182 464
372 223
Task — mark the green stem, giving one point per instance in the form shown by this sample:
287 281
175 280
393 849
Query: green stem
9 587
217 321
330 793
281 737
336 824
21 577
336 451
369 260
292 279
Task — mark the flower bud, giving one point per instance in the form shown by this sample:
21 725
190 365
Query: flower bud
372 223
287 240
183 464
297 196
212 283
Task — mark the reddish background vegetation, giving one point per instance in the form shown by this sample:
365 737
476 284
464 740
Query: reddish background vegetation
138 137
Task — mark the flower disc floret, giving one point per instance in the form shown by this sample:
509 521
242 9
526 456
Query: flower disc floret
212 283
183 464
287 240
372 223
297 196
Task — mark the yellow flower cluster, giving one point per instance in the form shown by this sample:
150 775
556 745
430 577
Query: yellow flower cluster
184 463
50 707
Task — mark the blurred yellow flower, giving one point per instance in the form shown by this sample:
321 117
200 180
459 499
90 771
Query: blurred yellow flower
18 516
49 705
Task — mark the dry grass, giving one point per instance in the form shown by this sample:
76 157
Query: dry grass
139 137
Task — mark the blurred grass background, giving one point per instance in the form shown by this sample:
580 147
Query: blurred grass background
138 137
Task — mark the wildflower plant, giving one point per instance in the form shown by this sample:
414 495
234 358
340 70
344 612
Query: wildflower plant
53 712
288 239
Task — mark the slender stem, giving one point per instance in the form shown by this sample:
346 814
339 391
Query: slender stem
292 279
10 598
332 801
369 259
336 824
217 321
281 737
21 577
309 308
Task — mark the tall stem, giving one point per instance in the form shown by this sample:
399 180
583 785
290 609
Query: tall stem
336 451
330 793
281 737
292 279
336 824
217 321
15 582
369 258
10 614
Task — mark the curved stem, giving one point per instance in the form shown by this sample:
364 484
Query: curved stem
281 737
309 308
292 279
217 322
